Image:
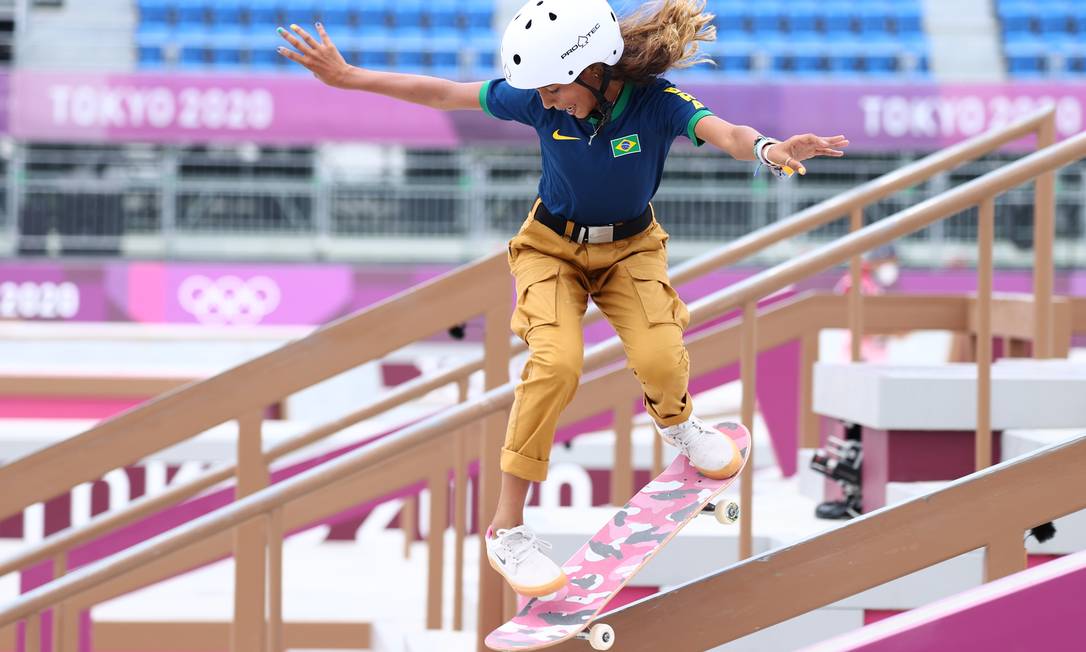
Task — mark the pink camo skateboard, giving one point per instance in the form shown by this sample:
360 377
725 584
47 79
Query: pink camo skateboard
610 559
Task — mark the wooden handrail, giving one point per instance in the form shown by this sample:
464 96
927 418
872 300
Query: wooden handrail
902 223
412 447
172 418
804 221
973 512
499 398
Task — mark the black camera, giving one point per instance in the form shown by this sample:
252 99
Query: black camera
841 461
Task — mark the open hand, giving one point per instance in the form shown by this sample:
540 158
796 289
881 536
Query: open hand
796 149
321 58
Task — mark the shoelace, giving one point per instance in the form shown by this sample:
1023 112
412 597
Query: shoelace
694 433
528 542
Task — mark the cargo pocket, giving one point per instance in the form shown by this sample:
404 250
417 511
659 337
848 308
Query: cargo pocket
660 301
537 299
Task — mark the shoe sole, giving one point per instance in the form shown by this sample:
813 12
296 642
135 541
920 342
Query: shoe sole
728 471
531 591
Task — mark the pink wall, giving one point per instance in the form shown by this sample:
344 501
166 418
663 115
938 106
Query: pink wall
1037 609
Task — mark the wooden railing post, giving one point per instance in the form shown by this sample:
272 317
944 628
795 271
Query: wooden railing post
409 523
274 525
748 359
855 293
985 228
460 509
1044 209
1004 556
439 521
808 420
247 633
60 567
657 456
33 633
496 372
622 481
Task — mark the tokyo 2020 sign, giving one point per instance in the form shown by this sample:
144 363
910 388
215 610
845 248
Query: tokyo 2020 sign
288 109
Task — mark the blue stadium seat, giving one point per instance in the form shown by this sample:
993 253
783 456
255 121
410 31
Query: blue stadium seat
731 17
191 14
301 12
1078 19
263 12
225 56
838 19
408 16
874 19
155 11
766 18
881 63
1027 59
1017 18
1025 65
150 56
803 20
227 12
193 56
337 14
374 13
1055 19
908 19
153 34
266 59
479 16
443 14
375 58
810 63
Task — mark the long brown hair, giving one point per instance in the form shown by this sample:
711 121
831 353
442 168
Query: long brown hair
663 35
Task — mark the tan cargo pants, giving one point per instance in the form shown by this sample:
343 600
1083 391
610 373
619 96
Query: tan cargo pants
628 280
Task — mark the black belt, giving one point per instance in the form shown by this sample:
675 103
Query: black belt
583 233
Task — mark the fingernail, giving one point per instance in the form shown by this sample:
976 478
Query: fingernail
295 27
280 50
319 26
280 30
802 171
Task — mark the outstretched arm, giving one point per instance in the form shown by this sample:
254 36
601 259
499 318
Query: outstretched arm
738 141
323 59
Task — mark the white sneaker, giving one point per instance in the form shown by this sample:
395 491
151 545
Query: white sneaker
710 451
517 555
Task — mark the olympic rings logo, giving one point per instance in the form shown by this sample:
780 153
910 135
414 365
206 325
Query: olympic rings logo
229 300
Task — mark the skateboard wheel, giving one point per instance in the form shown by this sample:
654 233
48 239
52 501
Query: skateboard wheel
727 513
601 637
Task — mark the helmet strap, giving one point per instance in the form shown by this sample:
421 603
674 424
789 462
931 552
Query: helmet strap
604 106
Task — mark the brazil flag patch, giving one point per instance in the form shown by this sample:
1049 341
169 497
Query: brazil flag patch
625 145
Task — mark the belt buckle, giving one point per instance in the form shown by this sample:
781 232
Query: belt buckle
600 234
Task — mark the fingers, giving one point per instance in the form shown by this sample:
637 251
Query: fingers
310 41
791 166
327 40
293 40
290 54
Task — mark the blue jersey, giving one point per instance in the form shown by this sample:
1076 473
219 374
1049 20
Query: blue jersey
613 179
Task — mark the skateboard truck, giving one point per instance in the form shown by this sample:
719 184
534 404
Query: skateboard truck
600 636
726 511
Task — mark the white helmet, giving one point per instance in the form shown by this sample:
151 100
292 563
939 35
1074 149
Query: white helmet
553 41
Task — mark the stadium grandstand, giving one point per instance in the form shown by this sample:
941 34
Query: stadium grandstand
255 356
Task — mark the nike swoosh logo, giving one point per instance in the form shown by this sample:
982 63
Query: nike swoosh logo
499 558
558 136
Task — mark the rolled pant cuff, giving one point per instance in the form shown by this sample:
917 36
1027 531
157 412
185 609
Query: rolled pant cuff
523 467
688 409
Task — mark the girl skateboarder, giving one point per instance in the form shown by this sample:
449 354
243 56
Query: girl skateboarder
592 89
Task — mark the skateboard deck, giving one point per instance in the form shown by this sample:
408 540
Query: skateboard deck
611 558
